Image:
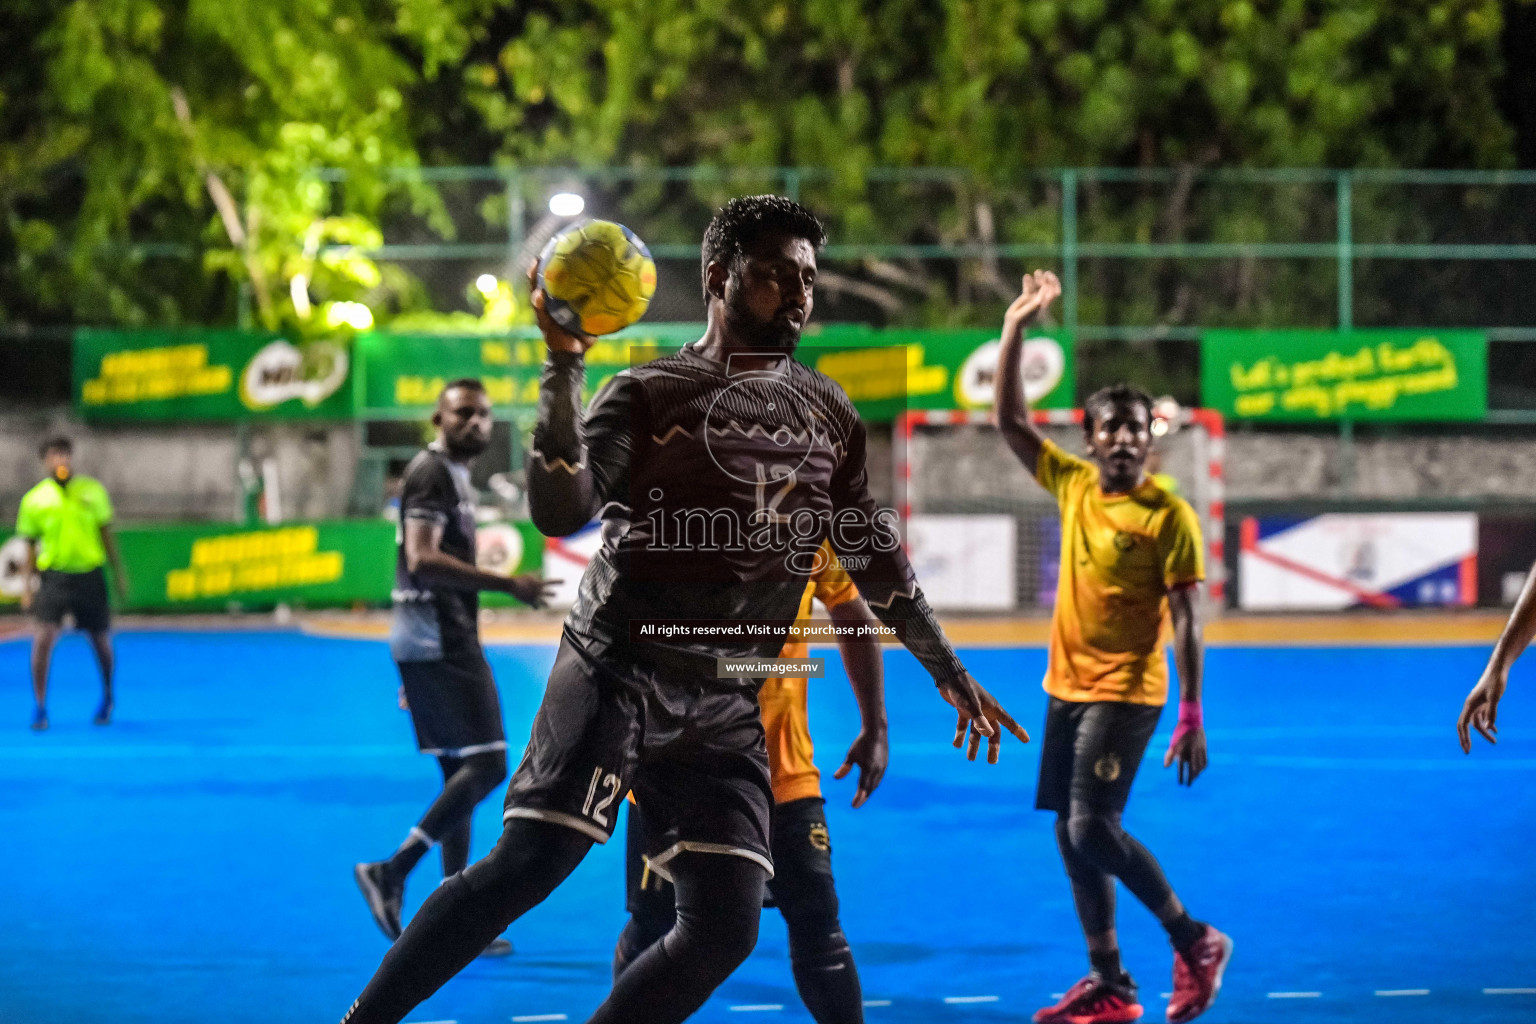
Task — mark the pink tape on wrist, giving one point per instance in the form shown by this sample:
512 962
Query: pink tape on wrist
1190 718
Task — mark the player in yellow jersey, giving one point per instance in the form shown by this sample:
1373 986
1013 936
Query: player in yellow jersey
1131 566
801 886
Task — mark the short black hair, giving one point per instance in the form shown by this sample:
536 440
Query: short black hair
1119 393
56 444
467 383
744 221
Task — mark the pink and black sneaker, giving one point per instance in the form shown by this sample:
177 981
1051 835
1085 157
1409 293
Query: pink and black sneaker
1093 1000
1197 972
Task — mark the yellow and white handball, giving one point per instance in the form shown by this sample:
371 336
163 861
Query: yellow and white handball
597 277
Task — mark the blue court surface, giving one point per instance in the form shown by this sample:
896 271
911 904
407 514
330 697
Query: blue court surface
193 861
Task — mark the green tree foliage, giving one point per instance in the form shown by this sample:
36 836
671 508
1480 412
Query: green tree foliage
95 159
993 85
997 87
122 122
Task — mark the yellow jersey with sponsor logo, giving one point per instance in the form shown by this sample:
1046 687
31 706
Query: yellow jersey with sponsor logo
1120 555
783 698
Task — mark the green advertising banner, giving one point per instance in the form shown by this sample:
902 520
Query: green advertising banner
1308 376
191 376
888 372
209 566
884 371
402 374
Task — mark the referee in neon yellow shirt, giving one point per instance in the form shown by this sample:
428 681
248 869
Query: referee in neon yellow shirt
66 520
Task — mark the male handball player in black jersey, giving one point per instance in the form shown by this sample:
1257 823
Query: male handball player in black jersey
434 638
717 473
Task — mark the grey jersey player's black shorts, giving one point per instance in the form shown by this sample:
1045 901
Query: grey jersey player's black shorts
691 748
1090 753
454 705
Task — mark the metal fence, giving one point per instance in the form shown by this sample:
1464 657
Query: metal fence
1149 257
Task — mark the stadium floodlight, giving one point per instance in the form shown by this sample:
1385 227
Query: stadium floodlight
349 314
567 204
486 284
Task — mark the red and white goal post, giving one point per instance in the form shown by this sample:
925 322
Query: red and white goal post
984 537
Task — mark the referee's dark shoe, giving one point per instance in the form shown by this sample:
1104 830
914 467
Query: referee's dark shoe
498 947
103 714
40 720
384 896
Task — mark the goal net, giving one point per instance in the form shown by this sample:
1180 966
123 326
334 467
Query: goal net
984 537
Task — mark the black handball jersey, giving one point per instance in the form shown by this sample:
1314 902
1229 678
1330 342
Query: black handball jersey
716 486
431 624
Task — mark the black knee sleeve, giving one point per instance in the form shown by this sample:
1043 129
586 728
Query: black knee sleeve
803 890
719 907
810 910
1098 839
646 925
719 903
1093 889
468 784
1078 868
825 974
490 771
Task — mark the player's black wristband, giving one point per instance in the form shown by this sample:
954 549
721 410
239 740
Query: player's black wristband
920 632
557 435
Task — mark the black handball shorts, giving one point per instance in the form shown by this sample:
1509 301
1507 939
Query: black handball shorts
81 594
1090 753
454 705
689 745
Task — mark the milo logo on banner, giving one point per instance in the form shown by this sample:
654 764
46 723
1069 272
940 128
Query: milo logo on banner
184 376
1042 367
282 372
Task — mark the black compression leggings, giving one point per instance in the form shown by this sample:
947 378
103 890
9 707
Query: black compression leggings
1096 851
825 974
466 782
719 900
719 904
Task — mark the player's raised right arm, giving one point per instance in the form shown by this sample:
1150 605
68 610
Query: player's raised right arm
578 462
1011 412
1481 709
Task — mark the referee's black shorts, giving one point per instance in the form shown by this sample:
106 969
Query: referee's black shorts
454 705
81 594
1090 753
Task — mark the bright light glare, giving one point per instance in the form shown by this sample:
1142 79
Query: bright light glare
486 284
566 204
349 314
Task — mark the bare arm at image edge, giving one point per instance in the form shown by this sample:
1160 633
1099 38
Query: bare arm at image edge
1481 709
